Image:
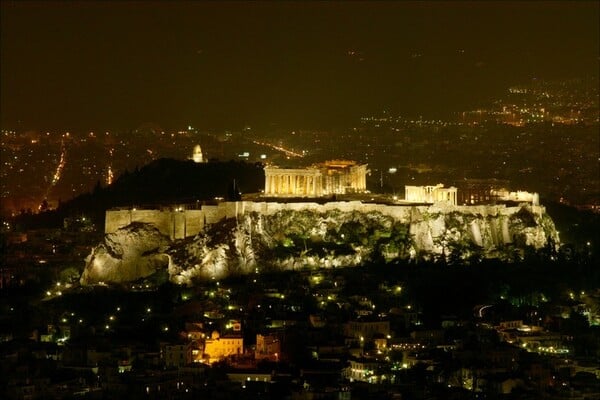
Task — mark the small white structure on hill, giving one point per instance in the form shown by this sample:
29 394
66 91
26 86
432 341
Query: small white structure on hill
197 154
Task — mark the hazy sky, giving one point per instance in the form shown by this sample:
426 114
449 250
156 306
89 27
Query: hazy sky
86 65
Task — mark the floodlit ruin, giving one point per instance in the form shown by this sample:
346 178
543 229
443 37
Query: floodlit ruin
430 194
324 179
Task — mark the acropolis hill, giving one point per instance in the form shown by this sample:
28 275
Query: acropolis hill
289 228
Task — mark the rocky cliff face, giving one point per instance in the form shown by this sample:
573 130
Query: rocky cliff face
255 242
131 253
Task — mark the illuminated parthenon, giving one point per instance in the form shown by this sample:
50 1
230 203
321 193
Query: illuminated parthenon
328 178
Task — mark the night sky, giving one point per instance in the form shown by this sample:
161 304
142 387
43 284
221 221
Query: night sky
113 65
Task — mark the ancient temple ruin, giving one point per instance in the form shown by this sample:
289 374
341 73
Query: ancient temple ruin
324 179
430 194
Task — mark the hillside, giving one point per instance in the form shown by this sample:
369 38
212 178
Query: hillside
163 181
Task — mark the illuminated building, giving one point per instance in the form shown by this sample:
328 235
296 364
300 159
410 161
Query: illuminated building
364 370
519 196
328 178
430 194
216 348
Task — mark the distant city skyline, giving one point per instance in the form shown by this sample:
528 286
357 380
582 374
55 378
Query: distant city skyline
92 65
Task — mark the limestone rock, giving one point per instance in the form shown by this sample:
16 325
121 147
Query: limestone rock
130 253
292 239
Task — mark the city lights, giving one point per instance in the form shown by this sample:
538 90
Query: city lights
299 200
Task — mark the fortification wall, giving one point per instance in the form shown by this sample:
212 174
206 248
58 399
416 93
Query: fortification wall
161 219
194 222
115 219
171 223
402 213
186 223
